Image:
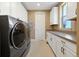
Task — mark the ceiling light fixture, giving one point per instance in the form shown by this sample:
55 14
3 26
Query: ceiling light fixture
38 4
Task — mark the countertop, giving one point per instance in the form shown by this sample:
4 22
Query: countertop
67 36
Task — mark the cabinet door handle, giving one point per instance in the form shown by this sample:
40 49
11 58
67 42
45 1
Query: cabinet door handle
62 50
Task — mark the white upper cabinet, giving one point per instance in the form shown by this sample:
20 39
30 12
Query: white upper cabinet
54 16
4 8
14 9
71 10
18 11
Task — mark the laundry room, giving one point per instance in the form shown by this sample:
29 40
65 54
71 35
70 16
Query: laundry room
39 29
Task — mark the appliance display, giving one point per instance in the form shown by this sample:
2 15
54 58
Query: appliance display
15 39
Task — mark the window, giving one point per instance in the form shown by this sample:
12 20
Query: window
65 21
68 24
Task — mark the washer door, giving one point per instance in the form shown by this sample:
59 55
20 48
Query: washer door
18 35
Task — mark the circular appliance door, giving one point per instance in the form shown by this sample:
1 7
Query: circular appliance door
18 35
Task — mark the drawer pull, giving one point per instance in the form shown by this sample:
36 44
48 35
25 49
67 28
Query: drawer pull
62 50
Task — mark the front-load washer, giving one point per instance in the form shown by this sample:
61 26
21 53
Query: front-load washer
14 37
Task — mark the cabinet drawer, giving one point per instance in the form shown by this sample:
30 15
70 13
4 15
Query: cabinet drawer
58 52
70 45
59 45
69 53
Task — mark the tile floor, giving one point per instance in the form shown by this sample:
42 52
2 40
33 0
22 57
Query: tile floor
40 49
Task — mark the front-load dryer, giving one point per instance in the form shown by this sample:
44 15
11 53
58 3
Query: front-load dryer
14 37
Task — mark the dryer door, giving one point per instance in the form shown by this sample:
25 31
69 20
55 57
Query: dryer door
18 35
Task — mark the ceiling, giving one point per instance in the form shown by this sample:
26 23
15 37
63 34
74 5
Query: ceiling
43 5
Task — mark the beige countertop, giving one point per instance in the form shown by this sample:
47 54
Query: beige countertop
66 35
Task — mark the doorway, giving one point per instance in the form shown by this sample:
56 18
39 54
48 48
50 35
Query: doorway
40 25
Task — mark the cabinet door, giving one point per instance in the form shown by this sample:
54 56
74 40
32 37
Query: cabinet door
24 14
59 46
54 16
50 17
21 11
69 49
49 39
52 40
68 52
5 8
14 9
18 11
71 10
54 44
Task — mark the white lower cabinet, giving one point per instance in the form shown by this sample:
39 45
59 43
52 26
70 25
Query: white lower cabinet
71 10
56 46
60 46
58 52
68 53
49 38
54 41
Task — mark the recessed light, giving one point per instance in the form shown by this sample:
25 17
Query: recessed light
38 4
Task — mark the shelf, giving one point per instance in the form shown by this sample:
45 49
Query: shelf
74 18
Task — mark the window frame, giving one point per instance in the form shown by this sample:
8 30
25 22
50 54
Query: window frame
63 26
62 15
